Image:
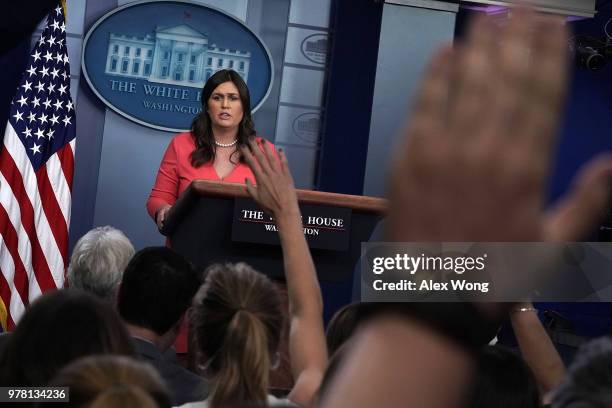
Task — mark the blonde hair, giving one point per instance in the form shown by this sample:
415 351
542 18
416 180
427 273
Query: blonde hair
238 320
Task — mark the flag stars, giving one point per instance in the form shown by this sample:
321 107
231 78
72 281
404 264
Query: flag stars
44 71
22 101
27 132
61 43
59 57
55 25
69 105
47 103
18 116
55 73
42 118
36 55
64 75
51 40
54 119
35 149
50 134
31 117
62 89
58 104
66 59
48 56
58 10
63 27
27 86
31 71
39 133
66 120
35 102
51 88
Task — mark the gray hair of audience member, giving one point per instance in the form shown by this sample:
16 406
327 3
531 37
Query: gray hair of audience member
588 383
98 261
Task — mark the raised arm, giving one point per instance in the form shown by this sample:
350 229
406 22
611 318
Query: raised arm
275 192
537 349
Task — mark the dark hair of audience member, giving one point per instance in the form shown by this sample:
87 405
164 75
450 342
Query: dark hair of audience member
59 327
502 380
112 381
336 360
344 323
237 320
588 383
157 288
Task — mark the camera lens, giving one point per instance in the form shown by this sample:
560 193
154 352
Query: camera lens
595 62
590 58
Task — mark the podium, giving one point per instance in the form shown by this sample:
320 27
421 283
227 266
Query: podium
202 227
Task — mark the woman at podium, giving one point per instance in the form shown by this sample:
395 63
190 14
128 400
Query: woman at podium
211 150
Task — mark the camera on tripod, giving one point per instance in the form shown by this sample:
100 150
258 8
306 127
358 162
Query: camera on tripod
592 52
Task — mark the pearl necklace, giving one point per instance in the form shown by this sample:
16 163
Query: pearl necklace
226 144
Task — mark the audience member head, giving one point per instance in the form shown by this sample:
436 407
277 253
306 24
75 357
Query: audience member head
344 323
157 288
336 360
588 383
237 320
502 380
112 381
98 261
60 327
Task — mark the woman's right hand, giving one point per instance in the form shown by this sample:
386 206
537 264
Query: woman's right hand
161 216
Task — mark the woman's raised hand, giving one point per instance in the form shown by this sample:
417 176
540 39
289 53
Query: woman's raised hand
274 189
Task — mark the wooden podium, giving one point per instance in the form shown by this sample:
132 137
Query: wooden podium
200 224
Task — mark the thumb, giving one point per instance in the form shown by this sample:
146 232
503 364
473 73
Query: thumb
583 207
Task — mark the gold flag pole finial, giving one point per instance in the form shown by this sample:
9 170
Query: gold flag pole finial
63 2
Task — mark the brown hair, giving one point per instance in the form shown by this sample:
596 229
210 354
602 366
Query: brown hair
112 381
237 320
59 327
201 129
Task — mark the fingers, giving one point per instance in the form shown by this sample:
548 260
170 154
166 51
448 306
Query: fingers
161 217
430 109
259 155
512 66
270 158
252 161
251 189
547 85
471 83
263 162
284 164
582 209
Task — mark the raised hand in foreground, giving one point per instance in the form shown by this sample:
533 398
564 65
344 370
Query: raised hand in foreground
477 152
275 193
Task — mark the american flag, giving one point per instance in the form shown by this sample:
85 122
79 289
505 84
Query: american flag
36 167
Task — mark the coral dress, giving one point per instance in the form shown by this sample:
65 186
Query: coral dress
176 172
